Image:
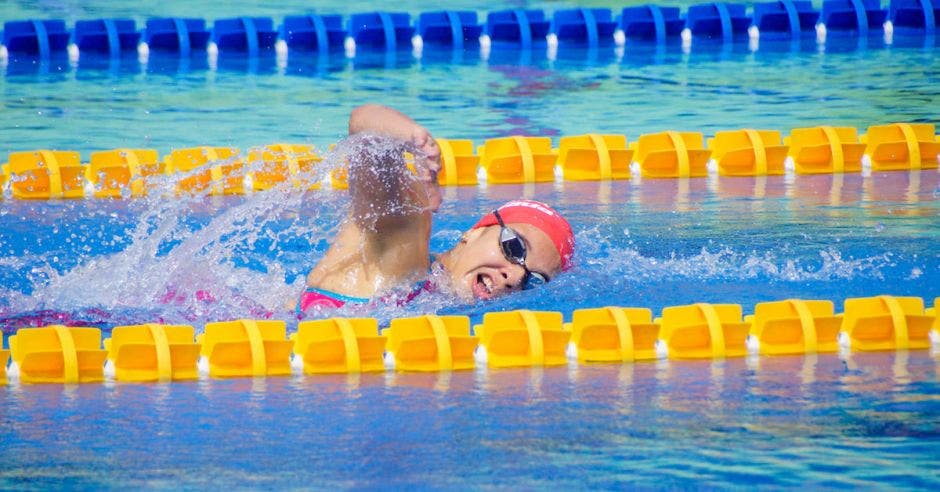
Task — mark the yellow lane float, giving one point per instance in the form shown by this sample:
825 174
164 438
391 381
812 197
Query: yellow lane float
112 173
45 174
274 164
594 157
933 312
58 354
614 334
153 352
902 146
523 338
672 155
246 348
218 170
518 160
887 323
826 150
339 345
749 152
431 343
795 326
458 163
4 357
704 331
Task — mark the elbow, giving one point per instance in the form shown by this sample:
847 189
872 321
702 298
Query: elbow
359 117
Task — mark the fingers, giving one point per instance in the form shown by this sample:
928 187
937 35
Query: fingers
427 164
427 152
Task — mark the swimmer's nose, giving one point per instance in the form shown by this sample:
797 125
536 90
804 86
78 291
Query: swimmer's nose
512 276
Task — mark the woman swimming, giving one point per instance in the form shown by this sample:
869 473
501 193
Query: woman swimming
383 244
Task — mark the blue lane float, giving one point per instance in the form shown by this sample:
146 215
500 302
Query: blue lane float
41 38
519 28
313 32
106 36
651 23
504 29
915 16
852 16
456 29
591 27
249 35
785 19
720 21
385 30
176 35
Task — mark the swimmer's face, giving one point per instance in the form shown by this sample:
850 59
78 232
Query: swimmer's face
482 271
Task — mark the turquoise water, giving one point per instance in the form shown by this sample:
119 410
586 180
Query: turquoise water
828 421
169 103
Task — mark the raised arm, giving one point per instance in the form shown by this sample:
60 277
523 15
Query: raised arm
385 195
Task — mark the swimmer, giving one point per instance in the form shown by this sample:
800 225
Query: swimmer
383 244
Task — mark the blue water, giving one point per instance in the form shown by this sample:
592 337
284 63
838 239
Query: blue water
866 420
870 421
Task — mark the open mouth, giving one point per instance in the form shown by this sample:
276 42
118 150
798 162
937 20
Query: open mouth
483 286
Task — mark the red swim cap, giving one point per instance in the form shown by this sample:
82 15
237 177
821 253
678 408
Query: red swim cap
539 215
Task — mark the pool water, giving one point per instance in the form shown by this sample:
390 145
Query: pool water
865 420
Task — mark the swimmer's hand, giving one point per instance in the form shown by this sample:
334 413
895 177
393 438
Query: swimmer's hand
428 164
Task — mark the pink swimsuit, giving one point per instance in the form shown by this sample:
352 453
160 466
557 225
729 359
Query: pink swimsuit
323 298
313 297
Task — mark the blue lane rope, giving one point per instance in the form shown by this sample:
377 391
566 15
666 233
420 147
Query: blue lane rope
659 22
456 29
727 31
389 27
590 23
930 22
862 17
42 38
251 35
182 34
794 17
525 31
114 42
323 42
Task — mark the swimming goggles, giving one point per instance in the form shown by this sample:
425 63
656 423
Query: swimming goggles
514 249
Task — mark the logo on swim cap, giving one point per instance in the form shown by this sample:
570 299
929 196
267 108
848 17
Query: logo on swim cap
540 215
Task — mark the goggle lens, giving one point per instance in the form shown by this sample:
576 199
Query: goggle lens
514 250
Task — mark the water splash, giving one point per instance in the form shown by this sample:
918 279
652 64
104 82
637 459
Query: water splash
195 256
727 264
